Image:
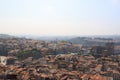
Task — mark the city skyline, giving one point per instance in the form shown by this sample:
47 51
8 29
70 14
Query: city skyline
60 17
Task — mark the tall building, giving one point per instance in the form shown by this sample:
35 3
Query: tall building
110 48
106 50
3 50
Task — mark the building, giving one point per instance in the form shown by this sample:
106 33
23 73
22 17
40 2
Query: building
106 50
3 60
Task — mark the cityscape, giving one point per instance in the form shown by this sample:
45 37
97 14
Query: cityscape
59 39
30 59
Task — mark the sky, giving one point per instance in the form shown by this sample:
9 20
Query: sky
60 17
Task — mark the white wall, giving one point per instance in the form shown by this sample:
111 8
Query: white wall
3 60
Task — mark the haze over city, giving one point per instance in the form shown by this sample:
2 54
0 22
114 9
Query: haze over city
60 17
59 39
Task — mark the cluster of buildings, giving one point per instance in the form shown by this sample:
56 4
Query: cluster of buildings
57 61
64 67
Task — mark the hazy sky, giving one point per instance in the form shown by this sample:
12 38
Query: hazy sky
60 17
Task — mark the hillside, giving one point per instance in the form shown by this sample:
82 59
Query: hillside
86 41
5 36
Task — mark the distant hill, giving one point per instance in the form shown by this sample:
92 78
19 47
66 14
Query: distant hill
48 38
89 41
5 36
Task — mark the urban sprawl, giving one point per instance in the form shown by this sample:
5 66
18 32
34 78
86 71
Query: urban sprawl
30 59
